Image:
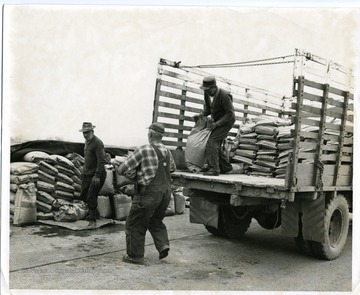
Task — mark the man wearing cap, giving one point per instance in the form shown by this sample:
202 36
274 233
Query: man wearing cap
153 163
218 104
94 173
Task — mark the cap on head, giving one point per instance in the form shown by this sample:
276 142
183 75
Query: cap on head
158 127
86 127
208 82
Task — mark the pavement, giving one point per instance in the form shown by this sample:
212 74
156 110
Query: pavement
53 260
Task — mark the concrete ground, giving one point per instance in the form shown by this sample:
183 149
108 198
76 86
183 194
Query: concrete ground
52 258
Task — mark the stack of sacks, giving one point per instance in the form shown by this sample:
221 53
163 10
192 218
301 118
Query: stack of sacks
21 173
245 144
285 140
266 157
274 138
59 180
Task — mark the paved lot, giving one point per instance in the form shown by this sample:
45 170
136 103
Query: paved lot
49 257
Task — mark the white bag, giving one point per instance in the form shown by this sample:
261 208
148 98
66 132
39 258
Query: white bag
25 204
195 156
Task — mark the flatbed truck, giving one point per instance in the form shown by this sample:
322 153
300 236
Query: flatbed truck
313 203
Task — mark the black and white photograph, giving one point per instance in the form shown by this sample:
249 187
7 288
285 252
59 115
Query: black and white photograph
179 148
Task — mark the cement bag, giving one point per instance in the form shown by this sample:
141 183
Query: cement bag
62 186
76 179
45 197
179 201
44 216
47 168
45 187
76 159
108 187
122 205
104 206
195 157
19 168
43 176
24 178
81 209
43 207
25 204
171 208
64 170
59 194
66 213
37 156
63 161
64 178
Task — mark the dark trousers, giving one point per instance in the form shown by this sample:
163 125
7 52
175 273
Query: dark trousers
216 157
89 192
147 213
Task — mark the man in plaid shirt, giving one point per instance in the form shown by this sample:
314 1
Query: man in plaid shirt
153 164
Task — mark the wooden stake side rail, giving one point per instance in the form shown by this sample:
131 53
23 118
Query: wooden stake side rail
323 127
178 98
329 142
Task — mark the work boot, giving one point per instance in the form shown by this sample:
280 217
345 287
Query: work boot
92 219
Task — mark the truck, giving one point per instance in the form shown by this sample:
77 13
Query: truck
312 202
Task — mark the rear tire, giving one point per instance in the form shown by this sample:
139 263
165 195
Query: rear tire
336 229
235 220
213 230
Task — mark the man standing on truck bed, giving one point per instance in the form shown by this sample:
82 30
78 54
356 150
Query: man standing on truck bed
94 173
218 104
153 163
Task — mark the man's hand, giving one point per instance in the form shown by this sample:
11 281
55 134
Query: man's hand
213 126
197 117
95 181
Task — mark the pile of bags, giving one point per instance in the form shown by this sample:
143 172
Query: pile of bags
264 143
44 186
52 182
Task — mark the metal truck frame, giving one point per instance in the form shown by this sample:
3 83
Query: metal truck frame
313 202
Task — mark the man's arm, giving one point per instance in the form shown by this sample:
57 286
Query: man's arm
226 101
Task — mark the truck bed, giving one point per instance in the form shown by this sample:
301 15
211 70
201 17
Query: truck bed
237 184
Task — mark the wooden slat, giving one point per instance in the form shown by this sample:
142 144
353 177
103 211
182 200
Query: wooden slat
175 116
176 126
168 94
181 87
177 107
175 135
311 135
309 156
308 145
329 157
174 143
346 149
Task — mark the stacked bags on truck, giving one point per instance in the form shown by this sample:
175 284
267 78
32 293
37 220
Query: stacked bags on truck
264 144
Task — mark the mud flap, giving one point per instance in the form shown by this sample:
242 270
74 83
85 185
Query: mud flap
290 219
313 219
203 211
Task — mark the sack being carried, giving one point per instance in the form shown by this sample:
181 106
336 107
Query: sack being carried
195 156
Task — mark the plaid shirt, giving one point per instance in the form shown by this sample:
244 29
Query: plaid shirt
145 161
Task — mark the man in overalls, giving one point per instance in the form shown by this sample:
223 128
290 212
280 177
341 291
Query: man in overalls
153 163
